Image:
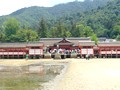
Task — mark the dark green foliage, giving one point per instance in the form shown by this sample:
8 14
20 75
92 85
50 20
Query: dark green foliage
104 21
118 37
107 18
94 38
59 30
12 32
11 26
42 29
91 18
31 15
25 35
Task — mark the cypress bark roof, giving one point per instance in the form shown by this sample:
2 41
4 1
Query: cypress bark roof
20 44
58 41
103 44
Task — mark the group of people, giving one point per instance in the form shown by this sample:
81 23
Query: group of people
65 51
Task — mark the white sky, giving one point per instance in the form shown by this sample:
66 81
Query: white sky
9 6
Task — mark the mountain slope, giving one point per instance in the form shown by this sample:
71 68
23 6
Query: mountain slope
105 21
30 16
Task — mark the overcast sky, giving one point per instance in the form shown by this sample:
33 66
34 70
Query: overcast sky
9 6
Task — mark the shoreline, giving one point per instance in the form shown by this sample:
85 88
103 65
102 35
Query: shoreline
53 83
23 62
82 74
43 67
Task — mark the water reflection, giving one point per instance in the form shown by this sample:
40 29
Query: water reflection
27 77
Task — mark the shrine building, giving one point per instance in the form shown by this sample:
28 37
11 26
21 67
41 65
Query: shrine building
81 46
109 49
20 50
67 46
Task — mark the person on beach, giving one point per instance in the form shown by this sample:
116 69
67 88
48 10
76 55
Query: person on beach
87 57
27 56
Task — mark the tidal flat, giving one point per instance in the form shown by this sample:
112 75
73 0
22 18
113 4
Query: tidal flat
28 77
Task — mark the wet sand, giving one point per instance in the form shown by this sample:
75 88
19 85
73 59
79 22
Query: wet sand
22 62
95 74
81 74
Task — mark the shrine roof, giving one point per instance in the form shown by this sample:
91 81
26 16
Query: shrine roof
20 44
86 43
117 43
71 41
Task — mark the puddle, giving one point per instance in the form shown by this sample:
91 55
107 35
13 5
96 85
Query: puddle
28 77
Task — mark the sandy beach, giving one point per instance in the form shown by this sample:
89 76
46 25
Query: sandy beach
22 62
81 74
95 74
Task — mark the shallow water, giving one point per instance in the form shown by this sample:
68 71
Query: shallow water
27 77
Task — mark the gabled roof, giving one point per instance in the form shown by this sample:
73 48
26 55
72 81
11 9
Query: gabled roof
77 40
117 43
80 38
20 44
35 44
86 43
52 41
64 42
12 45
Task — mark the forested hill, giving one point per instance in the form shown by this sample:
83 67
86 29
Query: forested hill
91 18
31 15
105 21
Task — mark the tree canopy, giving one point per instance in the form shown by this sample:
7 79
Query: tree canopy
101 20
12 32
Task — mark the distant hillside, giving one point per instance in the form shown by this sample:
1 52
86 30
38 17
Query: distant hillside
93 19
30 16
105 21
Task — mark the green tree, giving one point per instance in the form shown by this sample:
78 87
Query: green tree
88 31
42 28
94 38
73 29
118 37
83 31
68 34
2 35
79 31
11 26
24 35
116 31
60 29
53 32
